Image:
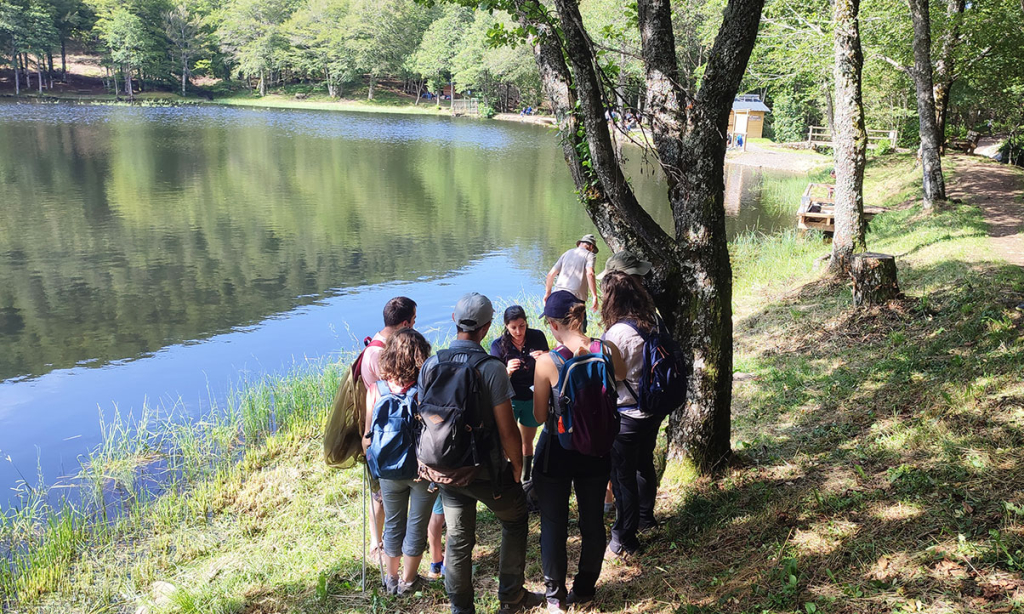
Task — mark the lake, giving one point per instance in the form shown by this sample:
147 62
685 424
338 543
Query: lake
160 254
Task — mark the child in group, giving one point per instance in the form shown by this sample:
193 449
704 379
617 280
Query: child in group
407 502
558 471
519 347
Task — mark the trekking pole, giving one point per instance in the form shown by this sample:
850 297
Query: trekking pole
363 585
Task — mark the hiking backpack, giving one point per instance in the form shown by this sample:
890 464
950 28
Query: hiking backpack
585 417
343 434
391 454
455 427
662 385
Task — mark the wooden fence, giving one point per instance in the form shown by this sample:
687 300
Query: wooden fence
466 106
821 135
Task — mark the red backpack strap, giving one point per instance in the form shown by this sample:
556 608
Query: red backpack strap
368 342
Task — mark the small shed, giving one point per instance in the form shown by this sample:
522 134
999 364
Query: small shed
747 116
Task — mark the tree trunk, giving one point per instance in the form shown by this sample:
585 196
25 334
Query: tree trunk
17 78
931 164
849 138
262 84
28 74
691 280
874 279
451 86
373 82
63 61
128 83
117 92
830 109
39 71
944 75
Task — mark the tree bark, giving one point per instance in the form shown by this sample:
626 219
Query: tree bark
14 55
373 82
944 69
849 138
874 279
830 113
63 61
691 280
128 83
931 164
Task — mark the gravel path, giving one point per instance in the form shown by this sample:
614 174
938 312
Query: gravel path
999 190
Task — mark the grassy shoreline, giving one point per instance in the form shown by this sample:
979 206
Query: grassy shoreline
879 464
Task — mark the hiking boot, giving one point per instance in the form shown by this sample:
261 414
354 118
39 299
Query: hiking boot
408 588
391 585
647 529
575 599
527 601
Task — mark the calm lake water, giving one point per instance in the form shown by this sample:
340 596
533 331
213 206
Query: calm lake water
160 254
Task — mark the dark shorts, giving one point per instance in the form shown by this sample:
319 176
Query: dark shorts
523 411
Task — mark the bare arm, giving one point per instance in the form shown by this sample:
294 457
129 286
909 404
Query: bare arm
542 383
592 284
511 441
549 282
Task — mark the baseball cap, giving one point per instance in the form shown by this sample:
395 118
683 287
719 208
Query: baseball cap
627 262
560 303
472 312
588 238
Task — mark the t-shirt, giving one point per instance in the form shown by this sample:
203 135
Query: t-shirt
572 271
631 346
522 378
497 387
370 370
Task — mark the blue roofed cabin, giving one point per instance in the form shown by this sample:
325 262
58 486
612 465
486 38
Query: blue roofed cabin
747 115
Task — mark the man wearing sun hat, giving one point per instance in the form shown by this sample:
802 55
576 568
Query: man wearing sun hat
627 262
575 271
498 486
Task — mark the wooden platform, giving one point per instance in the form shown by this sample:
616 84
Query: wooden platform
817 209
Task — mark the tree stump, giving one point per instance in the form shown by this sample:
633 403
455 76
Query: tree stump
874 278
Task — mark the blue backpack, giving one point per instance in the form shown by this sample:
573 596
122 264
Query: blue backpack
392 451
662 385
585 417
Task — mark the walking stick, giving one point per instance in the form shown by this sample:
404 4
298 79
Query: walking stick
363 585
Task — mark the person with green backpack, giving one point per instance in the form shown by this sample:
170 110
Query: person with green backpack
391 457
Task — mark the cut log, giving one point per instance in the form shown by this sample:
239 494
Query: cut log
874 278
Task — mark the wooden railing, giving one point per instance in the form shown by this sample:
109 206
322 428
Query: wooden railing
822 135
466 106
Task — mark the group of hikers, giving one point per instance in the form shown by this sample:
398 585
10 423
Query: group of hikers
446 431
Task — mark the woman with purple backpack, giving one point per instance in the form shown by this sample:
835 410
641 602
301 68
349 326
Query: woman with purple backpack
628 314
563 463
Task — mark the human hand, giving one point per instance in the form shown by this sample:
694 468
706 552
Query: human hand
595 304
537 353
514 365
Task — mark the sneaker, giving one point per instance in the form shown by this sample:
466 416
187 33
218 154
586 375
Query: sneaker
575 599
391 585
557 607
437 570
527 601
625 558
648 528
408 588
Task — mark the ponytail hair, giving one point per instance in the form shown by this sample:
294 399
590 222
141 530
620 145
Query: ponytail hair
575 320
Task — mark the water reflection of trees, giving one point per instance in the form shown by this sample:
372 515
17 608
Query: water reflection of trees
118 238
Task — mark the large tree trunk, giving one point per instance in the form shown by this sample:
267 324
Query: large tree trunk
944 71
128 83
39 71
63 61
934 185
849 139
691 280
373 83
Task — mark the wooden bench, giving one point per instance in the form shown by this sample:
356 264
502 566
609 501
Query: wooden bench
967 145
817 212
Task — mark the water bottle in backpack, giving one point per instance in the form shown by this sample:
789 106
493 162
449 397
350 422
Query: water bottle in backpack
391 454
584 415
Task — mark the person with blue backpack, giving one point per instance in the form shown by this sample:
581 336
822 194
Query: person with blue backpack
391 458
574 452
653 385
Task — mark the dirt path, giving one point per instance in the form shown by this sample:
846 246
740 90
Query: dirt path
999 190
800 161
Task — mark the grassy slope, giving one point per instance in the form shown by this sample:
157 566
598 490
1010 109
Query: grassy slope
879 464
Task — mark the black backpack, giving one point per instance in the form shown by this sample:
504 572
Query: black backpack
455 438
665 372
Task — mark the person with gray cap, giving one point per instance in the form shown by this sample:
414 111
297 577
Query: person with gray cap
490 479
627 262
575 271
